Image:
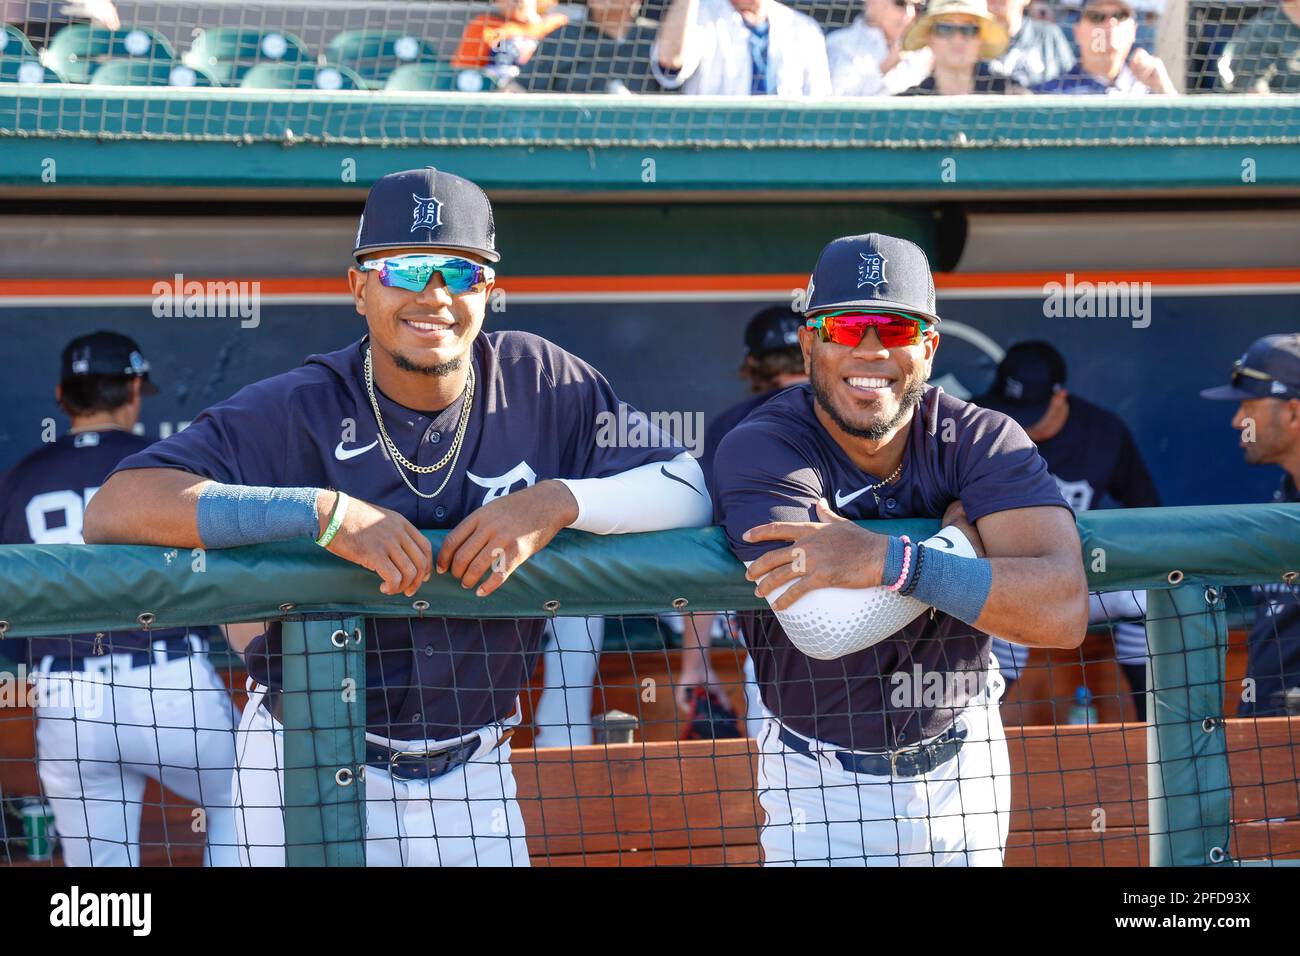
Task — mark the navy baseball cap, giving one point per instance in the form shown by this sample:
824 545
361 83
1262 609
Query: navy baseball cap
772 330
425 207
1027 378
872 271
1269 369
106 353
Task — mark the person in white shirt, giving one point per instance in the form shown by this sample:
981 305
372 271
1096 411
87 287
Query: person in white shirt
867 57
1108 62
740 48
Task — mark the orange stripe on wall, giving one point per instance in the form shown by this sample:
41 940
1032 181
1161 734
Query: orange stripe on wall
71 288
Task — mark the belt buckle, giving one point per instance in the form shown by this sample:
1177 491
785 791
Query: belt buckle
895 754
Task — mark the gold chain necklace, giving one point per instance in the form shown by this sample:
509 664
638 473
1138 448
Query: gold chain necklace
399 460
880 484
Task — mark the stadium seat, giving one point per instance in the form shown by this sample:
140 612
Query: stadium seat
374 56
428 77
75 50
149 73
13 42
300 76
25 69
227 53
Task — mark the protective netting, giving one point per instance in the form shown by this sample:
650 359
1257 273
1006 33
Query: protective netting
643 739
838 74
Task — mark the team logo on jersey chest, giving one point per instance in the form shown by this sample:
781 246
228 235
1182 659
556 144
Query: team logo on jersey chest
427 213
871 270
501 485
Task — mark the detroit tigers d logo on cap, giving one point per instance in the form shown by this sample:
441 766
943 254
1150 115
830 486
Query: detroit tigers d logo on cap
871 270
427 213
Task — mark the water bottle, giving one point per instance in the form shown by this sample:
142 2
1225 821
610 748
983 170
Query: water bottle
1082 712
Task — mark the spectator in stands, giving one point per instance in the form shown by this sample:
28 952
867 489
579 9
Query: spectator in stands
1096 463
608 52
740 48
1039 50
1266 384
867 57
506 40
1264 55
773 361
962 36
1108 63
39 20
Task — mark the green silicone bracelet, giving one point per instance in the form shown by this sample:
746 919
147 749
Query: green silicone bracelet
335 522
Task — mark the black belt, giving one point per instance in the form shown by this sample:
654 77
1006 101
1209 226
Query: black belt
175 649
904 762
402 764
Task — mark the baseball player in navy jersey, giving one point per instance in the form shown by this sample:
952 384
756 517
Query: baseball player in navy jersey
426 422
883 744
113 710
1096 463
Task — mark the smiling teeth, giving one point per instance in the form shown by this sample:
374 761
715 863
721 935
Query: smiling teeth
869 382
424 326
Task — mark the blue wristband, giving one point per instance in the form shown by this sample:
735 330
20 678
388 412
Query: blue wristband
894 550
953 584
232 515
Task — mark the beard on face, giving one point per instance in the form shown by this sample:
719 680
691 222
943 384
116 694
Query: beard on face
436 369
912 395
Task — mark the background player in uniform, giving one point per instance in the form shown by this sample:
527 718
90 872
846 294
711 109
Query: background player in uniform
884 745
117 709
1096 463
427 422
773 361
1266 384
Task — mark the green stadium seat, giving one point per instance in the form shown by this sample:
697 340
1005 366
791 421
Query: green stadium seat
25 69
227 53
428 77
374 56
300 76
149 73
13 42
76 50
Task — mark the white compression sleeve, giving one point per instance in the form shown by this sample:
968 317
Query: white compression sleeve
653 497
833 622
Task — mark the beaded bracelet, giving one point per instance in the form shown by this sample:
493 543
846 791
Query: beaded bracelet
907 560
916 573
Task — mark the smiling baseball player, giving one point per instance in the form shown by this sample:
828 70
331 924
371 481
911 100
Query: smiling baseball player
427 422
883 745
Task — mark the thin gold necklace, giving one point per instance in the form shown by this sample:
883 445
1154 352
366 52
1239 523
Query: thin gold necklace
400 461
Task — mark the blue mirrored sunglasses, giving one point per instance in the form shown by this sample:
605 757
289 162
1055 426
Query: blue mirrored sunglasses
413 272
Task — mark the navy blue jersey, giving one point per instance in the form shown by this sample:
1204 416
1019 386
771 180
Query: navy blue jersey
726 420
776 464
1096 462
1273 647
42 500
536 414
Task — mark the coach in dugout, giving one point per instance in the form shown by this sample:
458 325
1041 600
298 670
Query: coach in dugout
1096 463
113 710
883 745
1266 383
426 422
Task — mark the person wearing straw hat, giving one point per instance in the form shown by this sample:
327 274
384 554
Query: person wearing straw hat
962 35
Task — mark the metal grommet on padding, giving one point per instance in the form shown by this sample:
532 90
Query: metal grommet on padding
551 606
1210 724
357 634
1174 577
1217 855
421 606
1289 578
4 626
339 638
1212 596
343 776
146 619
679 603
286 608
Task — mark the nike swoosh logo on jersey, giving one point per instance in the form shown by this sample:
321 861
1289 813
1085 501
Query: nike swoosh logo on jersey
669 474
343 454
842 499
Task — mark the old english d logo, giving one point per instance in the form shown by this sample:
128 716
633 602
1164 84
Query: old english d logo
427 213
500 486
871 270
